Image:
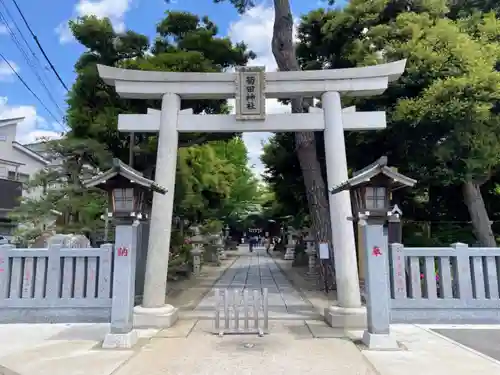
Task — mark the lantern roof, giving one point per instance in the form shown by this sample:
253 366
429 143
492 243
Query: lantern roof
121 169
379 167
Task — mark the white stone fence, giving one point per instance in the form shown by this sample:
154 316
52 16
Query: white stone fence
457 284
56 284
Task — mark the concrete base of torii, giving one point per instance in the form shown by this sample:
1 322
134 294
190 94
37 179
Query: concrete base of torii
346 318
160 317
120 340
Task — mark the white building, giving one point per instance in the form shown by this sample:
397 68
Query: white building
17 165
17 162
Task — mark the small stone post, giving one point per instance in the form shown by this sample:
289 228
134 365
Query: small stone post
290 246
311 252
122 335
377 336
395 227
196 252
220 246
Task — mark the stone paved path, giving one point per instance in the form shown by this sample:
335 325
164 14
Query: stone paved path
255 271
289 349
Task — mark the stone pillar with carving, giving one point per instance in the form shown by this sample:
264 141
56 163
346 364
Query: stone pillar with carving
377 335
311 253
290 246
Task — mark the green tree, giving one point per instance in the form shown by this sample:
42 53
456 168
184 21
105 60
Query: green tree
203 182
57 199
244 187
466 145
184 42
463 8
449 62
283 48
282 177
206 181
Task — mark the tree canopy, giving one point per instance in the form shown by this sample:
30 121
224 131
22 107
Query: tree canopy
213 178
184 42
57 200
443 112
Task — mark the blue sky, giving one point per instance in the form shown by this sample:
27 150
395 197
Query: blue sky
49 22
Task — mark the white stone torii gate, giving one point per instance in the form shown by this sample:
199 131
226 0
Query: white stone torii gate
327 85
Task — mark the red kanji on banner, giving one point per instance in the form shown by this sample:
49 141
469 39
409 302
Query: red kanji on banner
376 251
122 252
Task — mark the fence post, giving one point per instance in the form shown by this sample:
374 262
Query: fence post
376 252
122 334
54 281
395 229
4 270
397 269
462 271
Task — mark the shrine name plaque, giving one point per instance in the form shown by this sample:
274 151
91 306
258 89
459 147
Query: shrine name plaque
250 93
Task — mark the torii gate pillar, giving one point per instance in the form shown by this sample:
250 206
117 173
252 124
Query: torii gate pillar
155 312
349 313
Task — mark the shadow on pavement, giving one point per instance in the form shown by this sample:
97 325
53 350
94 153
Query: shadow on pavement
6 371
485 341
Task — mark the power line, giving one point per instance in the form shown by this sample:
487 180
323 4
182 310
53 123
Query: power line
29 89
35 38
29 60
16 26
7 11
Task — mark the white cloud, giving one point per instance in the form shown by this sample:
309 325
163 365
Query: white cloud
115 10
64 33
7 70
3 29
32 127
255 28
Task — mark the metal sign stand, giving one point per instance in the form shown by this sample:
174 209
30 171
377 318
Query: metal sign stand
325 268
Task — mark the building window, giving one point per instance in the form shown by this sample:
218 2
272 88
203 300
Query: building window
22 177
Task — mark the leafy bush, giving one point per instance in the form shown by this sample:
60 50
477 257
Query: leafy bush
211 227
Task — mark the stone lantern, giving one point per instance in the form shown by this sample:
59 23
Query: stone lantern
371 190
198 241
128 192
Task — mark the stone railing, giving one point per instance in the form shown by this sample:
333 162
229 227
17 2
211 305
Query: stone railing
55 284
444 284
